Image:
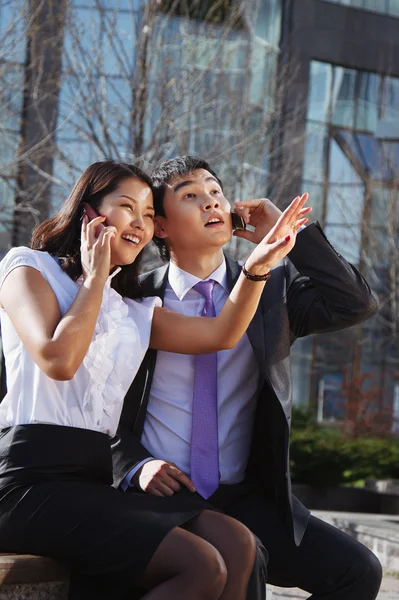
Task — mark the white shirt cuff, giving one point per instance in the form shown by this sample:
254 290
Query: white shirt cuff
127 480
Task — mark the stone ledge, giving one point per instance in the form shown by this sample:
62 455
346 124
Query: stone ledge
25 568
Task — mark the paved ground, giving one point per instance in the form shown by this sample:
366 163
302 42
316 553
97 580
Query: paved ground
379 532
389 591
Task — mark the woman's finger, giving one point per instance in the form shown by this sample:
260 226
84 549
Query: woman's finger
91 229
300 223
85 221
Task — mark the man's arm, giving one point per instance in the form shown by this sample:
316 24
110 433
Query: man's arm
127 454
325 292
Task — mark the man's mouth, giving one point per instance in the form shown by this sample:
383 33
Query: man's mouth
214 222
132 239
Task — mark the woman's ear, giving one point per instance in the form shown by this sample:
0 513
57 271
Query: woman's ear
159 229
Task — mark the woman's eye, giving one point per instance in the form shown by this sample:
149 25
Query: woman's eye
127 206
150 215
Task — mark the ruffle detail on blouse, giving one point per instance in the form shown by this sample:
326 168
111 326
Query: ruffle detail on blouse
109 357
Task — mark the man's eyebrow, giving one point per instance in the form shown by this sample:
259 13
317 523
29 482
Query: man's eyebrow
135 201
181 184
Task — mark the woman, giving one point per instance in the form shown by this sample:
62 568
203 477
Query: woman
73 340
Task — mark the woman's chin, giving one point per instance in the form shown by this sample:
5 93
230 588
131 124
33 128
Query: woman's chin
125 259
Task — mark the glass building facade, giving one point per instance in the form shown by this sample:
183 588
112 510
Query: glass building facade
145 84
351 169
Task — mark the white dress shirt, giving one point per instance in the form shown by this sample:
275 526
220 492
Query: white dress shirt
93 398
167 427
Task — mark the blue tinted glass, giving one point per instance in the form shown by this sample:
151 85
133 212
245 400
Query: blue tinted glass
315 152
367 101
344 205
390 7
268 21
110 4
343 97
83 42
13 17
390 99
11 95
320 91
118 44
9 142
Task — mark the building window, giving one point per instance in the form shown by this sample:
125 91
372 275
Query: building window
351 169
386 7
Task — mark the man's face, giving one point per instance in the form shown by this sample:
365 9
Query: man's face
198 215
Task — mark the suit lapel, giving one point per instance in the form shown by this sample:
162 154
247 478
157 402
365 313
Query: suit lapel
255 329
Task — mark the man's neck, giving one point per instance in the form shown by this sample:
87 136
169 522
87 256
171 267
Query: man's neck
199 265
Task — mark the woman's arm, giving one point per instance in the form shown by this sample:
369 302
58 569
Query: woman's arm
59 343
173 332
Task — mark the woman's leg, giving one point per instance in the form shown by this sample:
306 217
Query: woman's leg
185 566
236 544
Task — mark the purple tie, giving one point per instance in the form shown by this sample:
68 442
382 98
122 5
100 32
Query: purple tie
204 431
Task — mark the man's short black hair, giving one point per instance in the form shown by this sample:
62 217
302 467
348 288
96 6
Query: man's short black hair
164 174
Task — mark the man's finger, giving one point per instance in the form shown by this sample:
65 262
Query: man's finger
182 478
171 482
164 489
154 492
245 234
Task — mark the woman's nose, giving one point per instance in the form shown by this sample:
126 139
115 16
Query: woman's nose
138 222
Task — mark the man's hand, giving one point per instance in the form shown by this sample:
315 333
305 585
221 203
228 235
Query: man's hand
280 240
161 478
263 215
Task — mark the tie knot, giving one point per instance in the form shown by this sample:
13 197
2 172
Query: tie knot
205 288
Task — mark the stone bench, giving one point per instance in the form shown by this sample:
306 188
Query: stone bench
26 577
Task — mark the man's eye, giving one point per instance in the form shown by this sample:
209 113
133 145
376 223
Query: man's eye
216 192
189 195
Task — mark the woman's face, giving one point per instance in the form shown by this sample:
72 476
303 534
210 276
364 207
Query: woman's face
130 210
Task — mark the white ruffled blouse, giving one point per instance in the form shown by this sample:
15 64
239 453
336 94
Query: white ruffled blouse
93 398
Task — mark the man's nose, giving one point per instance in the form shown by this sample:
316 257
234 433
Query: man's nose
210 202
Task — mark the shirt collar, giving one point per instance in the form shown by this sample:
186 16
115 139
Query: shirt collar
182 282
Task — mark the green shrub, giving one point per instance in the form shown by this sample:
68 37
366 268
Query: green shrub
325 457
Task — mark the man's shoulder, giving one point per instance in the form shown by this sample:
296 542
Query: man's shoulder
153 280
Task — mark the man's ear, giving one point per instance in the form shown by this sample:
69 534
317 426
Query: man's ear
159 229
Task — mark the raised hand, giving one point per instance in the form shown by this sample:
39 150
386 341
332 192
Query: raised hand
280 239
96 250
263 215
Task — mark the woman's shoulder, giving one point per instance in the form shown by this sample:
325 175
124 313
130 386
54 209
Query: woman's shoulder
25 256
22 256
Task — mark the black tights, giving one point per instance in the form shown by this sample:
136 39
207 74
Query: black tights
211 559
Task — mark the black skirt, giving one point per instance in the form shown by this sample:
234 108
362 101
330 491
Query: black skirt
56 500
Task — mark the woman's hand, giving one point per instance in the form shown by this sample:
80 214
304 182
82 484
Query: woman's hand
96 251
281 238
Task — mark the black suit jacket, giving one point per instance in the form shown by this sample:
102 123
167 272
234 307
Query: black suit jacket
314 291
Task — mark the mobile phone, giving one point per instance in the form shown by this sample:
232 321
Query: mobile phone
237 221
93 214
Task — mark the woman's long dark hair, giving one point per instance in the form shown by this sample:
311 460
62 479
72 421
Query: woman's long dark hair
60 235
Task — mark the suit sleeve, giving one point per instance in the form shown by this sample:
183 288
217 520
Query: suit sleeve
127 453
325 292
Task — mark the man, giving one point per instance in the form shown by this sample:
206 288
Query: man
314 291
